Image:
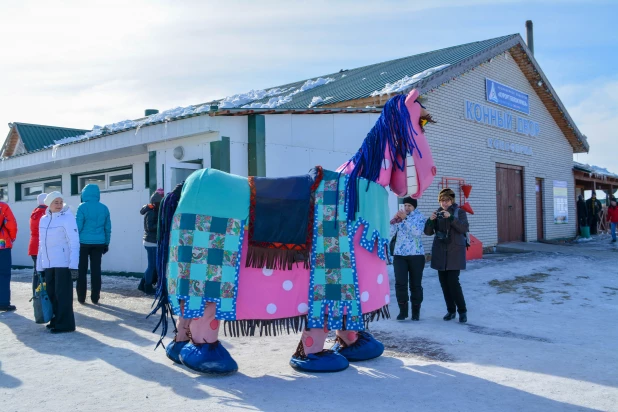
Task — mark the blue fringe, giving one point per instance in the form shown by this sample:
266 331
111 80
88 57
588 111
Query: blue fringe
394 128
166 216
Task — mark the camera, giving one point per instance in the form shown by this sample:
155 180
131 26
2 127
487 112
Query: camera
440 214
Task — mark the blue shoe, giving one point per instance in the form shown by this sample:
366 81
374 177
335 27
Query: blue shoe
173 350
208 358
325 361
366 347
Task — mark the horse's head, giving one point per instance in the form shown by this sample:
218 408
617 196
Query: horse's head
395 152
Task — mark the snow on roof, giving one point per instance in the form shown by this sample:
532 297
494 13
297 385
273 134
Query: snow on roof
166 115
595 170
279 100
405 83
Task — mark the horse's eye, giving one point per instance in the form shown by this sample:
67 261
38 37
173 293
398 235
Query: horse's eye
423 122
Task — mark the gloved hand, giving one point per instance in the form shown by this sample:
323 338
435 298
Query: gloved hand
74 274
105 249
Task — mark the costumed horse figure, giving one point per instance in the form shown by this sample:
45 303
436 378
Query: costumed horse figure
305 253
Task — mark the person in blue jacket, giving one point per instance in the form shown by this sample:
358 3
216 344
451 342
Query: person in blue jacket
95 231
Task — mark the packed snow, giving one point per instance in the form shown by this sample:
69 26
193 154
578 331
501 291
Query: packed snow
540 336
407 81
317 100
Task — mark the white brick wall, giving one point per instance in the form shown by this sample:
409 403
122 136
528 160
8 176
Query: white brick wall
459 147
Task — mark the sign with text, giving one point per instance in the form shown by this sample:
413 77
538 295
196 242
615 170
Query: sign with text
502 119
506 96
561 203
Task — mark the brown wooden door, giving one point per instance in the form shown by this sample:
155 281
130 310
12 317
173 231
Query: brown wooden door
510 203
539 209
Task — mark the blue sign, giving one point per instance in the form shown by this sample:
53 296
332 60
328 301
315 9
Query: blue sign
506 96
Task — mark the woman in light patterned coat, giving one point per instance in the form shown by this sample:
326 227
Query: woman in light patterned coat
408 258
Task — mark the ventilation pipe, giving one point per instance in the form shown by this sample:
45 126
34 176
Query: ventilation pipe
530 36
149 112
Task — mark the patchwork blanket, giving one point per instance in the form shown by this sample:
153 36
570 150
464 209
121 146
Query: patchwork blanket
281 220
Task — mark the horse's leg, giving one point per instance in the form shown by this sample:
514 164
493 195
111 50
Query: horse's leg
206 328
348 337
181 339
205 354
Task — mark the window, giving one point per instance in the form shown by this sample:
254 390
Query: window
108 180
4 193
32 189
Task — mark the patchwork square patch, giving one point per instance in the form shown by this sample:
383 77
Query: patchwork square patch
202 223
215 257
333 292
218 225
187 221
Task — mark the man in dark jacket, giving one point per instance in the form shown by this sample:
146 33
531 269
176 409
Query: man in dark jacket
95 231
151 215
448 253
594 209
582 213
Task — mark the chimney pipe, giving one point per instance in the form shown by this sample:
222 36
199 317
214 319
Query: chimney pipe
149 112
530 36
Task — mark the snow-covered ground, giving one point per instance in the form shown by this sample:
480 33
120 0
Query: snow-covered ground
542 336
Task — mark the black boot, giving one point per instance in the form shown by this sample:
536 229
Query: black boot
449 316
403 311
141 285
463 317
416 312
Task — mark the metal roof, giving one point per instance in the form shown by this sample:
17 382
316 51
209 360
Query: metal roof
36 136
361 82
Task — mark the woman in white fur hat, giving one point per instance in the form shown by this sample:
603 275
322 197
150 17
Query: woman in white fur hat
58 256
33 246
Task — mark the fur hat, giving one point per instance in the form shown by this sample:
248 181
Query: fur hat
51 197
41 198
410 201
446 192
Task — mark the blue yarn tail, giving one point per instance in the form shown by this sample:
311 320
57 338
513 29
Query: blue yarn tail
161 301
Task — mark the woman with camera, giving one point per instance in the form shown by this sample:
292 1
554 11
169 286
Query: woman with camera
448 254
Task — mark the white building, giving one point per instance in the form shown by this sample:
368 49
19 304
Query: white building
517 172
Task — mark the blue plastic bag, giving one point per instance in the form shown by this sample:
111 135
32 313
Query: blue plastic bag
43 311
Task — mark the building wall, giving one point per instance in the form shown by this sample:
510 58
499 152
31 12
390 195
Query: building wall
297 143
459 147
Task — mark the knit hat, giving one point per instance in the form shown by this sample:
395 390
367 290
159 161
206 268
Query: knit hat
446 192
160 191
51 197
594 194
41 198
156 198
410 201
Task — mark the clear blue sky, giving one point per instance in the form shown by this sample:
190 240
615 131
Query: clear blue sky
80 64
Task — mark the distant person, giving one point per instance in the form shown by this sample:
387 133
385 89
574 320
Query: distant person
593 209
95 231
448 254
58 256
8 234
582 213
408 258
612 217
33 246
151 219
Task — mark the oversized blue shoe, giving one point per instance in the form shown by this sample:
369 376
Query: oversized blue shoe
208 358
325 361
366 347
173 350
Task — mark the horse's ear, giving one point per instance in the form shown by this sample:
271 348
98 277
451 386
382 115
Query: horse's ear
412 96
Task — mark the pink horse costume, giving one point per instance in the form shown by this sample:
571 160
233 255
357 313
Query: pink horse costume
304 253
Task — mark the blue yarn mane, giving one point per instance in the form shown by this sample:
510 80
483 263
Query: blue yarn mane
394 127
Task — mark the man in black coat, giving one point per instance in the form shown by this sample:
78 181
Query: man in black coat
448 253
594 209
582 213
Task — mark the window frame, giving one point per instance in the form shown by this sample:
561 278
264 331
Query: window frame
5 192
22 186
107 173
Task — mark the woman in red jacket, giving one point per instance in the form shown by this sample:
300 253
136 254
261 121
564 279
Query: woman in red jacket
612 217
8 233
33 246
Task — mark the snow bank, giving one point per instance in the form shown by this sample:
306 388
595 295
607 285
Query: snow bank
406 82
